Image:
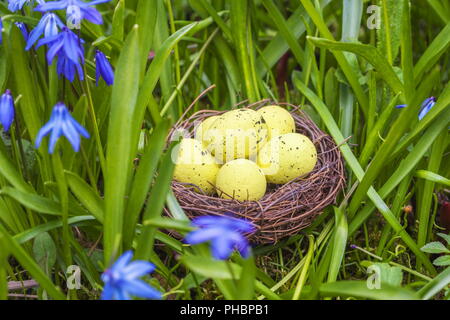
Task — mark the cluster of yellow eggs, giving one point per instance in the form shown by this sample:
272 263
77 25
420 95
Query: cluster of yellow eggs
239 152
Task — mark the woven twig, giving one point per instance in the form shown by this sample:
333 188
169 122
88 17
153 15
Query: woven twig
285 209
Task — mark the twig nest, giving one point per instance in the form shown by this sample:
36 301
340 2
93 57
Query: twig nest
242 180
287 157
236 134
279 120
195 165
284 209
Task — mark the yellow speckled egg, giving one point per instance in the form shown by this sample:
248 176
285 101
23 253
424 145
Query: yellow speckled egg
236 134
194 164
279 120
241 179
203 127
287 157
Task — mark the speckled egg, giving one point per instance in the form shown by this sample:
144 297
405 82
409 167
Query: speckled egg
203 127
195 165
287 157
237 134
279 121
241 179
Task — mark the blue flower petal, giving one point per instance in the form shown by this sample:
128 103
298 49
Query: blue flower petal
61 123
92 15
141 289
138 269
203 235
222 248
123 260
108 292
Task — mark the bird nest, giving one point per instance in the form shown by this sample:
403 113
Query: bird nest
285 209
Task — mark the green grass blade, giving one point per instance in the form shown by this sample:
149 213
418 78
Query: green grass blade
284 30
143 178
433 287
86 195
359 172
30 265
120 133
339 244
433 177
359 289
155 204
240 23
341 59
368 52
433 53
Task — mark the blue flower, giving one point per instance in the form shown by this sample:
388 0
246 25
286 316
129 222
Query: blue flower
103 68
16 5
62 123
76 10
224 233
23 29
427 105
68 68
65 42
1 30
48 26
122 280
6 110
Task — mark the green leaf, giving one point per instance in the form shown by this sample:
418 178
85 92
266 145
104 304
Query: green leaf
438 113
406 166
351 20
210 268
360 289
152 77
143 178
86 195
350 74
37 203
10 173
432 288
278 46
118 20
444 236
24 75
441 11
155 204
431 176
168 223
246 283
390 275
435 247
120 133
284 30
368 52
389 33
442 261
339 244
34 232
242 31
358 171
434 51
30 265
146 13
44 251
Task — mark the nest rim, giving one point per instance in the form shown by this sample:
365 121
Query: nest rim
285 209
